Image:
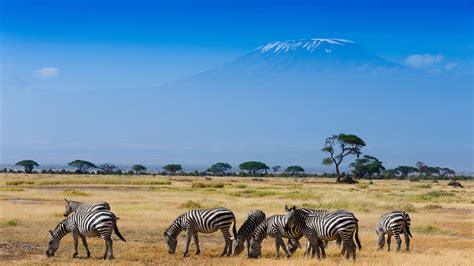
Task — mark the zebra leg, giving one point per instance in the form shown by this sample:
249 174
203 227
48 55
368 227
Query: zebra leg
380 240
189 235
399 242
308 248
84 242
314 247
323 246
110 249
196 242
353 249
228 243
347 248
248 247
389 239
75 236
407 240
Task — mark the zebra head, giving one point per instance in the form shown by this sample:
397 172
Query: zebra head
53 244
290 217
237 246
70 204
255 250
171 241
293 245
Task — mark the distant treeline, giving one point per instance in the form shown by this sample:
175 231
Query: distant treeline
337 147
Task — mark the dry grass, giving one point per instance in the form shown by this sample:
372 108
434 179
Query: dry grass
30 205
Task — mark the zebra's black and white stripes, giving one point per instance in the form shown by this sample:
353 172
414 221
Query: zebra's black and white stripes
98 223
254 219
326 227
201 221
393 224
76 206
274 226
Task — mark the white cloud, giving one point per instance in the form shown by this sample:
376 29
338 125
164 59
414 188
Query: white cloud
450 66
423 60
47 72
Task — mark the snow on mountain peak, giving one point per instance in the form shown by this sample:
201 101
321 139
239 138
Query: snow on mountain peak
307 44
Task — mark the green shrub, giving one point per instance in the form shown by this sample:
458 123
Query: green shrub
190 205
207 185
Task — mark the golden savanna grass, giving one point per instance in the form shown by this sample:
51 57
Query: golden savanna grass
30 205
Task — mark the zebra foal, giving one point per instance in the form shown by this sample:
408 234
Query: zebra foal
99 223
201 221
393 223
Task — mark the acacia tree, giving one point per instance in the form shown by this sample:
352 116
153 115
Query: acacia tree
28 165
294 169
139 169
423 168
276 168
108 168
172 168
366 166
444 171
340 146
253 167
219 168
406 170
82 166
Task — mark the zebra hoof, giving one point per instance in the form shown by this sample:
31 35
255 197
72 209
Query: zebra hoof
185 255
198 252
74 255
88 255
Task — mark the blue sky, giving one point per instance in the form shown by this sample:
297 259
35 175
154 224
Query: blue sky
90 46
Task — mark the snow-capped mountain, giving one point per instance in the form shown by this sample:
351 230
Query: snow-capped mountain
310 55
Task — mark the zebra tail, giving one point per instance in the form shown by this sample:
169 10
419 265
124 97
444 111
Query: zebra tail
116 230
357 237
234 230
407 227
408 231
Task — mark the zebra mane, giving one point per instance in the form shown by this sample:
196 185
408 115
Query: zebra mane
260 231
173 226
60 224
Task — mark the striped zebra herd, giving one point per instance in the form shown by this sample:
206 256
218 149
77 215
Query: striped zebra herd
317 226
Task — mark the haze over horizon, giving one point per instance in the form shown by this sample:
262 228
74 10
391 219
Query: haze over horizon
196 83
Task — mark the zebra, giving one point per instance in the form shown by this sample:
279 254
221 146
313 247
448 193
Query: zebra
308 244
76 206
254 219
274 226
326 227
98 223
393 223
201 221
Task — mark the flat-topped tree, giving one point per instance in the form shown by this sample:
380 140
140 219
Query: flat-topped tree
253 167
108 168
276 168
82 166
294 170
406 170
28 165
139 169
366 166
340 146
172 168
219 168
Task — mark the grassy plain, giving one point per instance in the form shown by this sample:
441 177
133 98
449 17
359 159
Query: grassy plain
30 205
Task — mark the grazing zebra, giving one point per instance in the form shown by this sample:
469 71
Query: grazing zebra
201 221
308 244
274 226
254 219
99 223
326 227
393 223
76 206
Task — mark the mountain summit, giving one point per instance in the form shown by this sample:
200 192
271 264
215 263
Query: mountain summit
308 55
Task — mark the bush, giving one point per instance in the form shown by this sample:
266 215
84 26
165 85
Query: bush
208 185
190 205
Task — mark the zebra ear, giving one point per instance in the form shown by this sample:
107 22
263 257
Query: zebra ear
286 208
50 233
293 208
65 200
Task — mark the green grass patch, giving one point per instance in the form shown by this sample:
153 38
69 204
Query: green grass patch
207 185
10 223
362 185
422 186
18 182
11 189
241 186
190 204
255 193
300 195
433 195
